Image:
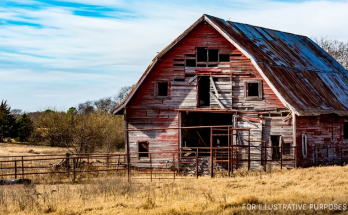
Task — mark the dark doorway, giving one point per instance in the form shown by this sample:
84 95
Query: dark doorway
275 143
203 91
200 137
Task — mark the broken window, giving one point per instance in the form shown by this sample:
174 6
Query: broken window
204 91
224 58
276 144
345 130
162 88
143 149
202 55
213 55
304 145
201 65
253 89
191 62
286 149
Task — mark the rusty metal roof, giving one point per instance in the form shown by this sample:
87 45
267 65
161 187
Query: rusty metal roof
304 77
307 78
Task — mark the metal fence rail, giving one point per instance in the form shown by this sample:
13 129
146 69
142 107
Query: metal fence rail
69 164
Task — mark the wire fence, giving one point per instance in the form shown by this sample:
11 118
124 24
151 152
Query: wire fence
69 165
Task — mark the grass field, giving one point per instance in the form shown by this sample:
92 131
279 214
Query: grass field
113 195
13 149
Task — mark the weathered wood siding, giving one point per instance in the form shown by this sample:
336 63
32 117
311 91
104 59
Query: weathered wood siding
141 113
276 126
321 131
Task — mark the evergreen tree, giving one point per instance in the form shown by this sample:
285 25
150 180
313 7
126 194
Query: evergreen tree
24 128
7 121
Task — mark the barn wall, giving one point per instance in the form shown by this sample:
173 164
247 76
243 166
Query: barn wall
183 93
321 131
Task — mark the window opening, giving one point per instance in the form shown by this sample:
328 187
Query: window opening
143 149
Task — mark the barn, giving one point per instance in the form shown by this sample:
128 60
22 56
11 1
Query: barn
233 95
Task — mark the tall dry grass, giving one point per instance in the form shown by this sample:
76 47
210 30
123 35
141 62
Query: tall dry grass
113 195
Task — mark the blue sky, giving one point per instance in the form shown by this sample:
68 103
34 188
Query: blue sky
58 53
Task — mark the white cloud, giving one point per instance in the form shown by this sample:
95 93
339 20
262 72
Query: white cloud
91 49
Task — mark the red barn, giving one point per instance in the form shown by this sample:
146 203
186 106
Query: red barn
238 95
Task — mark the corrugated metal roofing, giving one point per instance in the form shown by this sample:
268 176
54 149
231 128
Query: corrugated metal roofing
304 77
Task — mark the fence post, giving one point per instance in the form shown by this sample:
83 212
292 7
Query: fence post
249 150
265 155
174 164
281 156
22 168
341 153
67 160
74 166
232 151
211 152
150 165
197 163
229 152
15 162
107 161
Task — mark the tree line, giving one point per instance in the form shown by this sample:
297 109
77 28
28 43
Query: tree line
88 127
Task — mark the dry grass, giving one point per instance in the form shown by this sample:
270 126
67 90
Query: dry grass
14 149
113 195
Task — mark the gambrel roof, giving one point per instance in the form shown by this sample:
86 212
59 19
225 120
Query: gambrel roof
305 78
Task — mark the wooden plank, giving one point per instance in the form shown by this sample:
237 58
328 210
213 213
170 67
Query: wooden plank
213 84
217 100
192 79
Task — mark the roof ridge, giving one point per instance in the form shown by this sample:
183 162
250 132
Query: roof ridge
256 26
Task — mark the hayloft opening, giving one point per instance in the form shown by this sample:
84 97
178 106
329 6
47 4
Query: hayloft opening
202 55
213 55
204 91
224 58
253 89
191 62
143 149
162 89
345 130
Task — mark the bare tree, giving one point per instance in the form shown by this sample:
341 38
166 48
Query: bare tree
106 105
337 49
16 113
122 94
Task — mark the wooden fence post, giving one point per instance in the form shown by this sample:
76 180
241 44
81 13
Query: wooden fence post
15 163
197 163
22 167
74 167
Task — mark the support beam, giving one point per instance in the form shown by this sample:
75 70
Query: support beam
217 100
215 90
